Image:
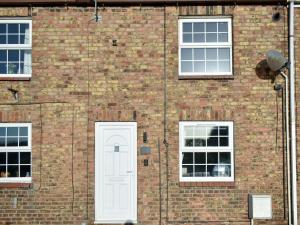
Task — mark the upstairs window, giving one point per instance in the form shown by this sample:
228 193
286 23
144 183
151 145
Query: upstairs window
205 47
206 151
15 152
15 48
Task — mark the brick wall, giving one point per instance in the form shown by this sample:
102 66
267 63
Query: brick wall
81 78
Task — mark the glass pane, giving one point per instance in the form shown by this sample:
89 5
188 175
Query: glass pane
2 39
186 66
23 131
222 171
213 131
12 39
187 38
224 141
199 66
25 171
200 171
211 37
212 158
200 131
200 158
13 28
12 131
23 28
224 66
223 37
12 158
188 131
212 66
199 27
23 141
199 37
2 131
2 141
187 158
13 171
211 27
3 55
25 157
3 68
223 130
2 157
13 55
225 157
187 27
200 142
211 54
187 171
13 68
22 39
188 142
12 141
199 54
210 170
223 27
212 141
224 54
2 28
2 171
186 54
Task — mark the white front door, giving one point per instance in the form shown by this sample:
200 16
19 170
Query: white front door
115 172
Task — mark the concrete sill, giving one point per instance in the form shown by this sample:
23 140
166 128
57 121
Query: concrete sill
15 185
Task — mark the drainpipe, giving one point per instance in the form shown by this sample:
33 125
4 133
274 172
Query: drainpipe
293 113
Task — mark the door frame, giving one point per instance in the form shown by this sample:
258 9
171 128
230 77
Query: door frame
98 139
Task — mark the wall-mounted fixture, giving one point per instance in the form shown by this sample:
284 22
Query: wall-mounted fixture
145 137
114 42
276 16
145 150
14 92
260 207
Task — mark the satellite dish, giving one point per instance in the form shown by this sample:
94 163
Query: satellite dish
276 60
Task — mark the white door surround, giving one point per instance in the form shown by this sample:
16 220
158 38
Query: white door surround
115 172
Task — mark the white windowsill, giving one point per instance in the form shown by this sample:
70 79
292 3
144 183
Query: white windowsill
114 221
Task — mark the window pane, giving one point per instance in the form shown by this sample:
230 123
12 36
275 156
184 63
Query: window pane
213 131
200 158
212 141
199 27
12 39
200 171
211 27
212 66
2 39
223 37
187 38
221 171
199 54
225 158
3 68
187 27
2 171
23 131
26 57
211 54
2 28
3 55
25 157
188 131
223 27
2 141
13 68
224 66
2 157
186 66
224 141
13 28
224 53
13 55
187 158
12 131
210 171
25 171
12 158
23 141
2 131
212 158
200 142
22 39
200 131
188 142
199 66
211 37
13 171
186 53
199 37
12 141
187 171
24 28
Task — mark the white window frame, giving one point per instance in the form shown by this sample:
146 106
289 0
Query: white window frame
18 149
205 45
18 46
229 148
